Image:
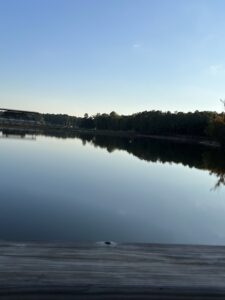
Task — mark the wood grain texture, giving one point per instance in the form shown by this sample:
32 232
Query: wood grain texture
115 271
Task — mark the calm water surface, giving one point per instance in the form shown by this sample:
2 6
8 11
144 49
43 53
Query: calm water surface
86 188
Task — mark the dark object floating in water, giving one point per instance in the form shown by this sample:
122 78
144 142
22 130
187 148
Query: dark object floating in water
108 243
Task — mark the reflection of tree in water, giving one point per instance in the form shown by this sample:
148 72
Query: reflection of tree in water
187 154
220 182
191 155
18 134
215 163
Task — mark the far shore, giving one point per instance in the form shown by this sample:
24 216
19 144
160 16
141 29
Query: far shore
128 134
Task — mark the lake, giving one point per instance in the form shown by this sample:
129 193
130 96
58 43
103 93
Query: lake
74 187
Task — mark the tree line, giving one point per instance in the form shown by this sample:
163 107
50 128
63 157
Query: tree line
204 124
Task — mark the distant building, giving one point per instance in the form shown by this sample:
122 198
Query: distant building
20 117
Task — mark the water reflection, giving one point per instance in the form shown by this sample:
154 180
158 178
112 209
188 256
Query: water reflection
151 150
18 134
191 155
62 187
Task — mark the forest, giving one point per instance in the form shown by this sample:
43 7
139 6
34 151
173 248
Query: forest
204 124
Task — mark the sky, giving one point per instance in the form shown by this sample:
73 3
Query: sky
77 56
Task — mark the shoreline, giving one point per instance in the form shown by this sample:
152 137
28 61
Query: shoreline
128 134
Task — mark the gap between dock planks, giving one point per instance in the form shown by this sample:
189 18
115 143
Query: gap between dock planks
102 270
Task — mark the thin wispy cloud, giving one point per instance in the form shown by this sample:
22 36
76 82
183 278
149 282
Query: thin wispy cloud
136 45
217 69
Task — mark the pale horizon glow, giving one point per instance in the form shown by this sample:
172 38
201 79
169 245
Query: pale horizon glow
78 56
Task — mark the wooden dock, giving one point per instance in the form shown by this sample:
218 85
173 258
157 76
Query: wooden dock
110 271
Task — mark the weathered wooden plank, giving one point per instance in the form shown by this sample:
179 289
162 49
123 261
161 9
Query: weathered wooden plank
118 271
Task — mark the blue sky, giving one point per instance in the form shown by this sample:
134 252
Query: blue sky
77 56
